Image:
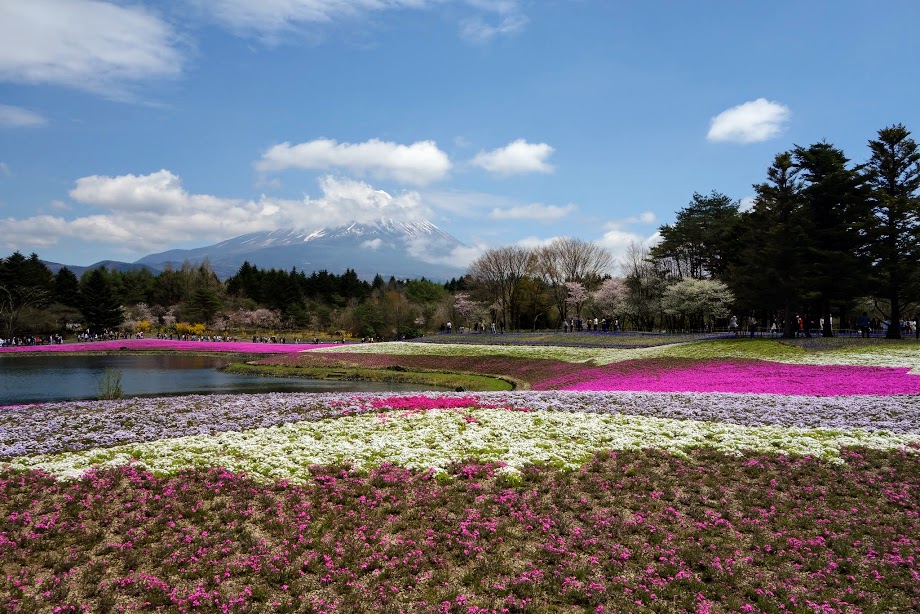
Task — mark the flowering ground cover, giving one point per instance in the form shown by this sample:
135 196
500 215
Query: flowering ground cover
243 347
744 376
554 338
801 499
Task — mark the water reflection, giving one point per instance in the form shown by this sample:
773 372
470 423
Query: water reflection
46 378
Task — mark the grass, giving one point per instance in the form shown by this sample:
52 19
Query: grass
394 373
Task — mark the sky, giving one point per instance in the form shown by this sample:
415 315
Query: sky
128 128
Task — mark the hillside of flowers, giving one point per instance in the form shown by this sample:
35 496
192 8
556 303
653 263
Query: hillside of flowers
689 478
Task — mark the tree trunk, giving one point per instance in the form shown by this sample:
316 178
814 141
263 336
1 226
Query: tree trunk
894 325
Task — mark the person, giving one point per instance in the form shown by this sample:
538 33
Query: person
565 326
733 325
752 326
862 323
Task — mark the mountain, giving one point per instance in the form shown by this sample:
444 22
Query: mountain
404 250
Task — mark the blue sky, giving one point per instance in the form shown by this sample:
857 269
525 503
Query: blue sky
133 127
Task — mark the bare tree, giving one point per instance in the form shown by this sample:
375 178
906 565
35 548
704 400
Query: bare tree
566 260
500 272
645 284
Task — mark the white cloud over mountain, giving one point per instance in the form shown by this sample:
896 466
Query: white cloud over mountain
751 122
420 163
147 212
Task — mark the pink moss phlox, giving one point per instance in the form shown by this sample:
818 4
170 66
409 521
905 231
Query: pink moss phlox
741 376
171 344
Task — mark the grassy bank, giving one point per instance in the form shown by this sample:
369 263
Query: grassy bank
395 374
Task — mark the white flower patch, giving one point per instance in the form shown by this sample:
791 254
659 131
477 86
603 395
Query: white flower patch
434 439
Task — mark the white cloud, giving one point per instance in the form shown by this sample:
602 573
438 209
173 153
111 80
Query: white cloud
419 163
459 256
534 242
266 17
508 20
372 244
751 122
535 212
747 203
17 116
468 204
5 170
618 241
516 158
148 212
86 44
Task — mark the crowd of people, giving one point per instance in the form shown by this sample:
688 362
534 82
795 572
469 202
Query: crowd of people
26 341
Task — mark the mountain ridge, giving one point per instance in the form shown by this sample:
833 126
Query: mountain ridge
385 247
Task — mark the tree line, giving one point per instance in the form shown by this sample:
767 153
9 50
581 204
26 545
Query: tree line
824 240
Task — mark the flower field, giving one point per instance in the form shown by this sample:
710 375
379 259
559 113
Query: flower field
166 345
673 481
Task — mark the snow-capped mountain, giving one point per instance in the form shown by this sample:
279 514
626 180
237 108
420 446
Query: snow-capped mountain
385 247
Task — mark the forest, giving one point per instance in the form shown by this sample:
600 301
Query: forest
824 240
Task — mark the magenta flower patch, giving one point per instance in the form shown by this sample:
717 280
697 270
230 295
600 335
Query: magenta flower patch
740 376
170 344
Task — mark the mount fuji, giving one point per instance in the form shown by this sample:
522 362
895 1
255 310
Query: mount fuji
405 250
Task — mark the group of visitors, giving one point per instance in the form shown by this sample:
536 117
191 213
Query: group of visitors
578 325
29 340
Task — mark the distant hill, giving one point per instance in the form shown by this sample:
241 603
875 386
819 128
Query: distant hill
404 250
111 265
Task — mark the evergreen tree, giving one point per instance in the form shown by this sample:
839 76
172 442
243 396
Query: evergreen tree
836 208
67 288
703 241
98 302
770 270
893 173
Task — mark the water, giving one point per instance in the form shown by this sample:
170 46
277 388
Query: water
48 378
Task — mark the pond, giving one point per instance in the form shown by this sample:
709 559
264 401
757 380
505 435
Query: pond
48 378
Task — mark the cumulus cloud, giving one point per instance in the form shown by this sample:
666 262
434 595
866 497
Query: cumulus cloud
148 212
618 241
535 212
86 44
751 122
17 116
419 163
518 157
747 203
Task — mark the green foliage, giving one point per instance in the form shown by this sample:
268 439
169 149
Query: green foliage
696 302
704 239
893 172
25 283
110 384
67 288
100 307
